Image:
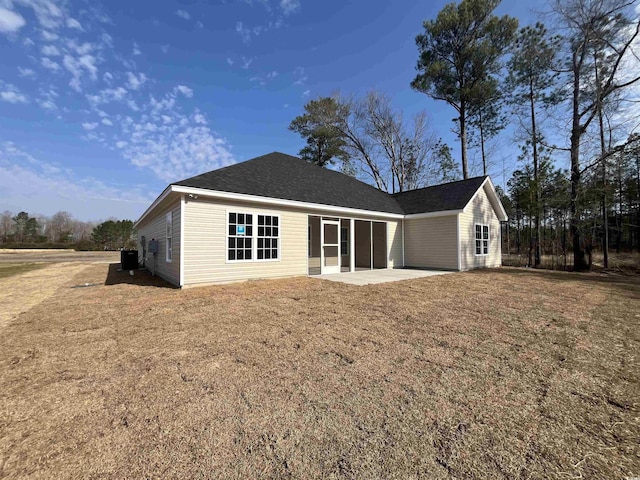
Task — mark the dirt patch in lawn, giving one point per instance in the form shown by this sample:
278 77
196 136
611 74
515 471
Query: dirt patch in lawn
491 374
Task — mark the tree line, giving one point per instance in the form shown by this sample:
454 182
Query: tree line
61 230
565 87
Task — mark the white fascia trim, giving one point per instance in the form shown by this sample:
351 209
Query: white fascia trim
162 196
279 202
182 240
442 213
502 213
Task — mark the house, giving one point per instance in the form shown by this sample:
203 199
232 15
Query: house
279 216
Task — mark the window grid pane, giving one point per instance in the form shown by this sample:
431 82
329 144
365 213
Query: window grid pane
239 245
268 234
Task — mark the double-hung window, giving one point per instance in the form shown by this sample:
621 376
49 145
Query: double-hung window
482 239
240 238
169 236
268 237
252 237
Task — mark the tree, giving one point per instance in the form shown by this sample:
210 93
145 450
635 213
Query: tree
589 25
325 144
460 52
531 78
114 234
487 120
374 139
21 220
444 168
60 227
6 224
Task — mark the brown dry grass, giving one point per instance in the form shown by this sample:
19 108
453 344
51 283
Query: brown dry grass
10 269
489 374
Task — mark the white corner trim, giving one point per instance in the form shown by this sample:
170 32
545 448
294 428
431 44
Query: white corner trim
403 264
280 202
442 213
459 243
182 208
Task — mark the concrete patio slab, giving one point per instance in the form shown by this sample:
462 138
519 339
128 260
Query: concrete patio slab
369 277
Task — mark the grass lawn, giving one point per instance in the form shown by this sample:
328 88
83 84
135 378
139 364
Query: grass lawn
489 374
11 269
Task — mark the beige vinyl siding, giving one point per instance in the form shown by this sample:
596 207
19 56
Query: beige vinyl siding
479 210
155 227
431 242
205 238
394 243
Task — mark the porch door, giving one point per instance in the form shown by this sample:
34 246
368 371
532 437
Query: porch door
330 241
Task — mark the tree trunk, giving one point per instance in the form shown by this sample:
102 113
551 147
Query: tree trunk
484 158
579 261
536 175
603 148
463 140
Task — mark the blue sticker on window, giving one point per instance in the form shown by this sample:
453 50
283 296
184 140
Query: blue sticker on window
240 230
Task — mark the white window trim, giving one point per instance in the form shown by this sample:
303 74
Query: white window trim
168 256
475 239
254 237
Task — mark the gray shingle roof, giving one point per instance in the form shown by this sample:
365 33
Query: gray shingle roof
448 196
277 175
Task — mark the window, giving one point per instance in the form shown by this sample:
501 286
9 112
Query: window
268 237
240 238
482 239
344 241
169 236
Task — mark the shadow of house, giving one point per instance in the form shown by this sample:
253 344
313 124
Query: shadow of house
142 278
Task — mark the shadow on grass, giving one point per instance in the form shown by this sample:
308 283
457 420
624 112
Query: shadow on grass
141 278
629 284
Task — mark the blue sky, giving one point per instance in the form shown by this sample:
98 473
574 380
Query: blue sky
103 104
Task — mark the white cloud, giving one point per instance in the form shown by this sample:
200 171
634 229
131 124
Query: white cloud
49 64
10 21
49 36
229 61
136 49
26 72
50 51
300 76
272 75
289 6
246 62
200 119
245 33
88 126
121 144
164 48
107 122
134 81
107 95
52 188
306 93
186 91
199 24
76 66
107 77
11 94
74 24
183 14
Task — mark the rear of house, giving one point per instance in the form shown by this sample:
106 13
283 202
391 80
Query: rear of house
278 216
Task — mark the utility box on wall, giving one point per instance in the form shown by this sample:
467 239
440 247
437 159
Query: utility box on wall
153 246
